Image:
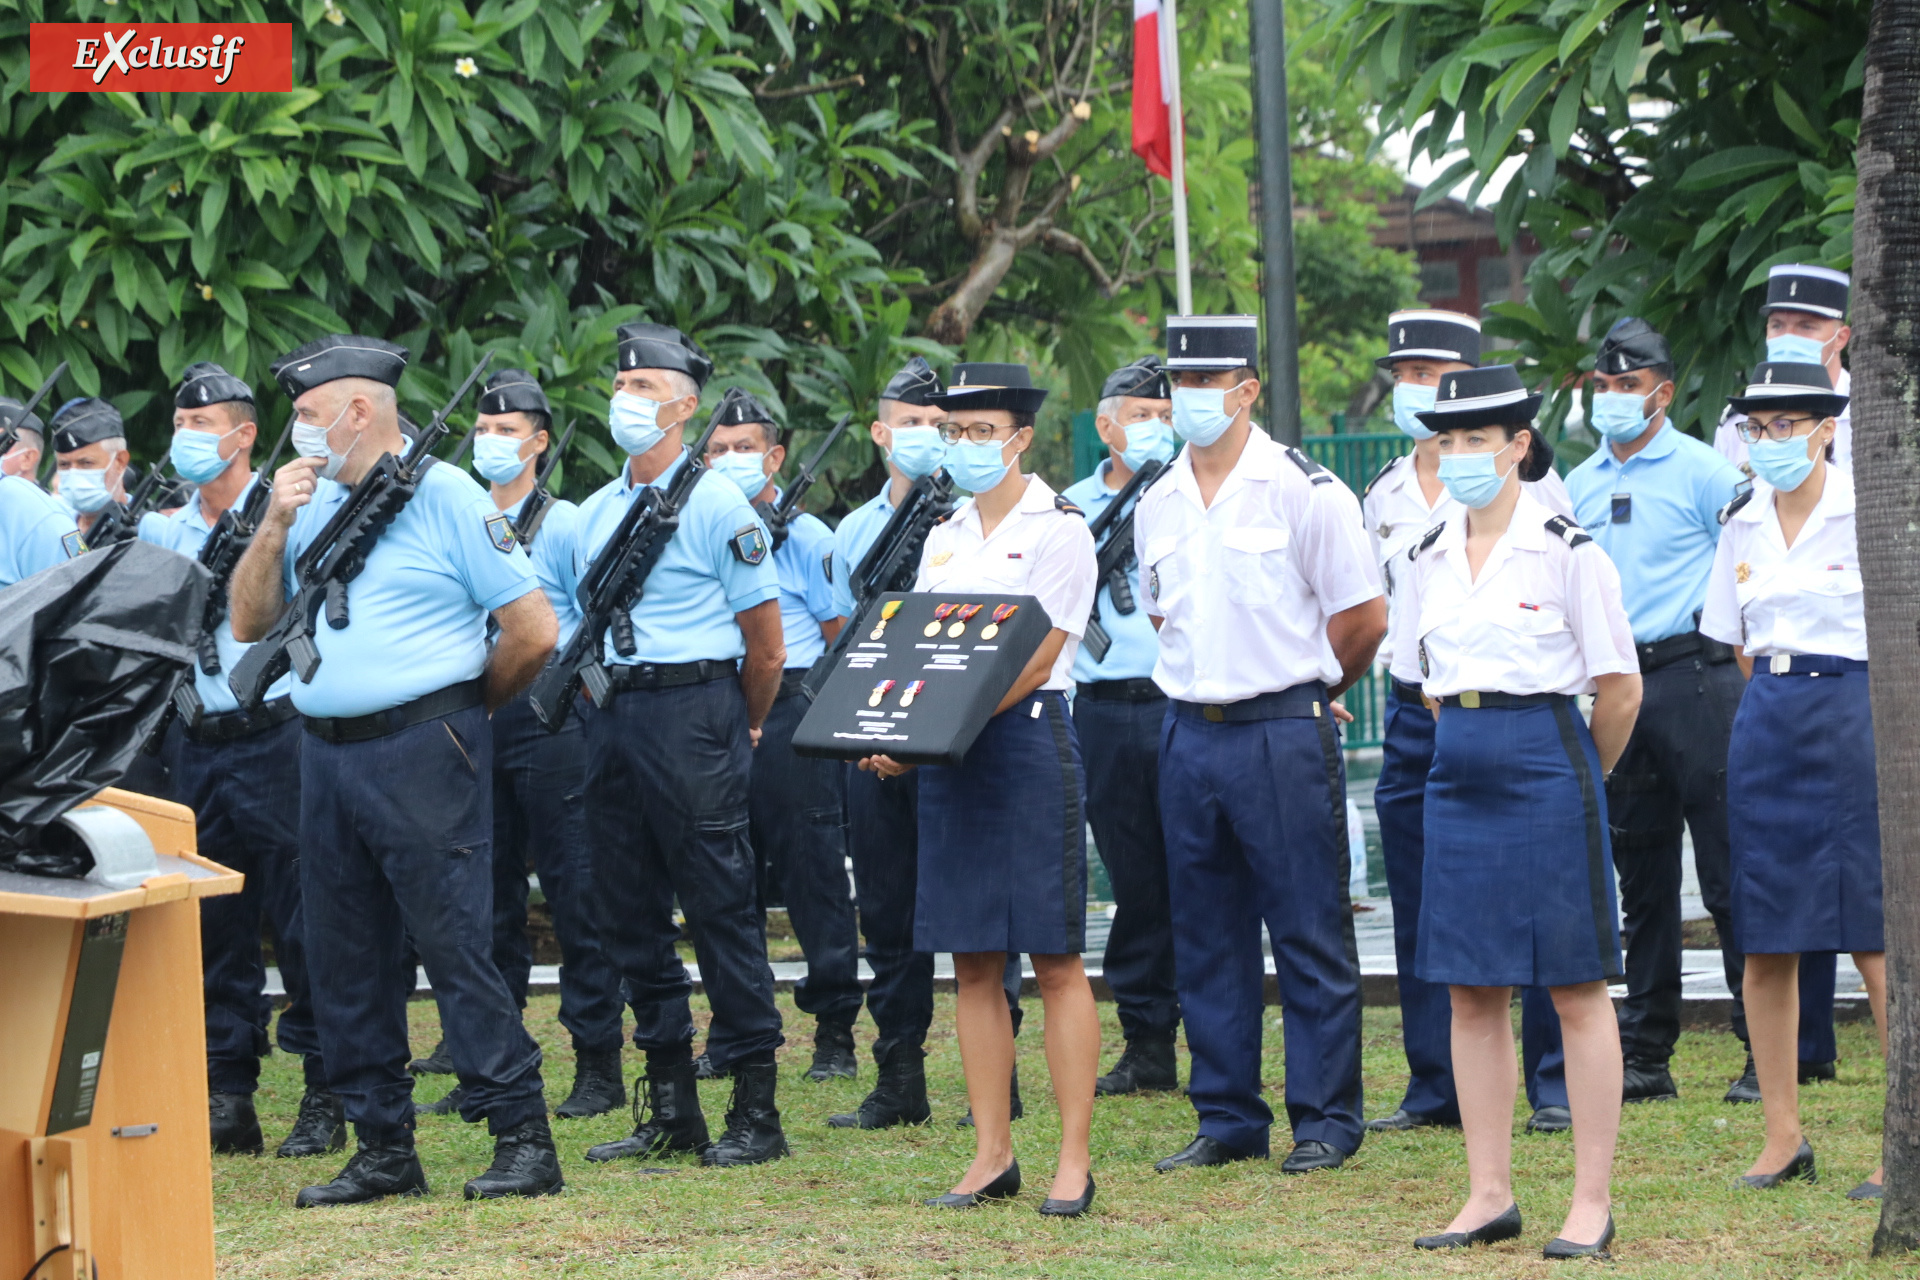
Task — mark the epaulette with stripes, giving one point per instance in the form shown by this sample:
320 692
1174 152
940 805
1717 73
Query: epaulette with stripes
1432 536
1315 472
1379 475
1740 500
1061 503
1567 531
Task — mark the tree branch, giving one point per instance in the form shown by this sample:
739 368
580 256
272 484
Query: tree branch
762 92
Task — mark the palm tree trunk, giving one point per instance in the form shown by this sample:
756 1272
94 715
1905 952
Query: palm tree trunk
1886 425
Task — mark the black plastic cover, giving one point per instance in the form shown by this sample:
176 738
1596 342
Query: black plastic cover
90 654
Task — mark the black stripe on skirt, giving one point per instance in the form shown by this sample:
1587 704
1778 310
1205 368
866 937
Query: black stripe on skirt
1073 829
1596 848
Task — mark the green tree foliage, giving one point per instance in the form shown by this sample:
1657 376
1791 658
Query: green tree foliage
1671 152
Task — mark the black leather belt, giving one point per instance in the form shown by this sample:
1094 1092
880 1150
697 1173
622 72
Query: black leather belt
669 675
790 680
441 702
1406 691
1140 689
1474 699
1302 702
231 726
1685 645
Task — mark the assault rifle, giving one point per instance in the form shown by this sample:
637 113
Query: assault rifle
12 431
534 510
611 587
778 515
121 522
1112 532
337 555
226 542
890 564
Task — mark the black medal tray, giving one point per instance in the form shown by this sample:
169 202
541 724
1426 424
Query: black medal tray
966 676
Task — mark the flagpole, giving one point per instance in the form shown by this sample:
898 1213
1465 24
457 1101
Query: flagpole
1170 63
1273 125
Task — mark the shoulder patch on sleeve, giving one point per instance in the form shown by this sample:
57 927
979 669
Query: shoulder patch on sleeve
1740 500
1315 472
1062 503
72 544
500 531
1567 531
749 544
826 565
1380 475
1428 539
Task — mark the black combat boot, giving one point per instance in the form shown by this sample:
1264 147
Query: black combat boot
703 1068
666 1116
235 1128
437 1063
900 1094
321 1126
598 1086
833 1054
377 1170
1747 1087
1647 1081
1015 1110
1146 1067
753 1133
524 1164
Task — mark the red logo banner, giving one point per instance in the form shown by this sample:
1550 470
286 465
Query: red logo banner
161 57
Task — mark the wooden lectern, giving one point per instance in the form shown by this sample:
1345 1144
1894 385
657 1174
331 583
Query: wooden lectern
103 1066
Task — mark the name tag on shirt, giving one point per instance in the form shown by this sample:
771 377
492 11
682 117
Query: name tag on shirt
1622 508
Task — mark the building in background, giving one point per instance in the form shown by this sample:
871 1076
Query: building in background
1462 266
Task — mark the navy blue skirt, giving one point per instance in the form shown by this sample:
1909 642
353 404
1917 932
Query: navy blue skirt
1518 883
1003 839
1803 815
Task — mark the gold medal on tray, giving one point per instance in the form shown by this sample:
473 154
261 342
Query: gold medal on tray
887 611
940 613
911 692
959 628
1001 612
879 691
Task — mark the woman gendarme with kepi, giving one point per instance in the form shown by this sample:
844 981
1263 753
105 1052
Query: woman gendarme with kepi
1515 612
1003 857
1803 815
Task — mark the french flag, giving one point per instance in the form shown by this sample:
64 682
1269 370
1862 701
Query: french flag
1153 45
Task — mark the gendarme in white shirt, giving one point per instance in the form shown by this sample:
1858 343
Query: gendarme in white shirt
1543 617
1397 515
1728 444
1039 549
1776 599
1245 587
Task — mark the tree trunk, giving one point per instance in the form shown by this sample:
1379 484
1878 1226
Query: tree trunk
1886 399
953 319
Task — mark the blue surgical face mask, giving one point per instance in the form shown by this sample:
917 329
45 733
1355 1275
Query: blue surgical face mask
1784 464
1149 441
976 467
310 440
497 458
635 423
1796 348
196 455
917 451
1410 398
747 470
1474 478
1620 415
1200 413
85 491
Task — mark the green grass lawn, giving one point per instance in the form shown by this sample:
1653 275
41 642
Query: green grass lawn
847 1203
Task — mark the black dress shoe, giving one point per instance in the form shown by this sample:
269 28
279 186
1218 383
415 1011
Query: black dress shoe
233 1125
1816 1072
321 1126
666 1117
899 1096
1559 1249
437 1063
446 1105
1146 1067
1309 1156
833 1054
1402 1120
1747 1087
1004 1187
1800 1168
1504 1227
598 1085
1203 1152
1550 1120
375 1171
524 1164
1051 1208
753 1134
1015 1107
1647 1082
1867 1191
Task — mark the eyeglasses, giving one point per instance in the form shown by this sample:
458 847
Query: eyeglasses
1752 430
975 432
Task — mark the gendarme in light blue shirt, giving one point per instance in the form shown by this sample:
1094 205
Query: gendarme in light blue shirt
186 531
1136 646
686 612
858 531
806 597
36 530
552 557
417 614
1664 550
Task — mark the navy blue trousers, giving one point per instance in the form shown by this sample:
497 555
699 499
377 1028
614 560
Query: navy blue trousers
1256 829
1426 1008
245 798
1120 747
798 829
667 817
397 841
539 816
